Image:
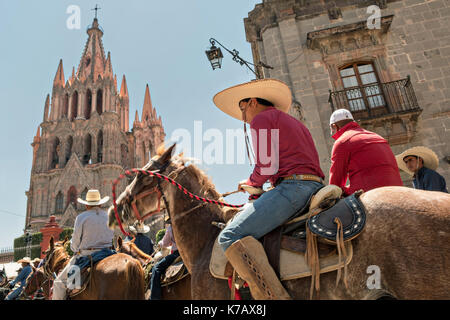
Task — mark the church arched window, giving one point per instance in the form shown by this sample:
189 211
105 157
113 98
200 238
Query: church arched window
87 148
100 101
72 196
69 146
59 206
65 112
100 146
74 111
54 161
88 105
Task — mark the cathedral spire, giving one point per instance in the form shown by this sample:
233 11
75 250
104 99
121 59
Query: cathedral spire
108 73
72 77
147 109
136 122
59 77
38 133
93 61
123 88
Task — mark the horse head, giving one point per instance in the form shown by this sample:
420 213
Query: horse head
130 248
56 257
131 204
34 282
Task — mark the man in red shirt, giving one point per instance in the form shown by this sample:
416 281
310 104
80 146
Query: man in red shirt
361 156
286 156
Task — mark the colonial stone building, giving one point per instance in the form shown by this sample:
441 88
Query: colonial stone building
391 68
84 140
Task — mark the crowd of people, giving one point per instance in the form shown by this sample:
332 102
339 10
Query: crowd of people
360 159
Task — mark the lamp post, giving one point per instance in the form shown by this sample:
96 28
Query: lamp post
28 239
215 57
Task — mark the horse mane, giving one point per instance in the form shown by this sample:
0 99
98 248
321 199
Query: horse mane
208 189
138 251
60 255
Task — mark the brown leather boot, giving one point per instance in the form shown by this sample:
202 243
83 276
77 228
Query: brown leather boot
249 259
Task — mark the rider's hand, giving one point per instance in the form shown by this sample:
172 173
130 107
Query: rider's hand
11 285
243 182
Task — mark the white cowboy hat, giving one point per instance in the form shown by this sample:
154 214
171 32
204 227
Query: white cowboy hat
139 227
24 259
430 159
272 90
93 198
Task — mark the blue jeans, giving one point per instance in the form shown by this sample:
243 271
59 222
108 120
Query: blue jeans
269 211
14 294
157 271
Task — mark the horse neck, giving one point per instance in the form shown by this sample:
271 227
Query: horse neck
136 253
194 234
58 263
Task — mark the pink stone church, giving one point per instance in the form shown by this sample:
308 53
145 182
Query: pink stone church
84 140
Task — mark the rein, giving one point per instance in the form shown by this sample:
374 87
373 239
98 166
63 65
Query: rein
160 178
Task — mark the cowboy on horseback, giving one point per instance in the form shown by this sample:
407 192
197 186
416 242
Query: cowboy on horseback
90 234
160 267
21 278
293 169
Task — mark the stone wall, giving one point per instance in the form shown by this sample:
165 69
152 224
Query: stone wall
307 41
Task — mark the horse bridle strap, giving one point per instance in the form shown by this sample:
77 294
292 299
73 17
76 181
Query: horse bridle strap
143 195
165 178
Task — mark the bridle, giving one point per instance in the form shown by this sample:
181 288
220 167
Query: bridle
142 195
34 277
160 177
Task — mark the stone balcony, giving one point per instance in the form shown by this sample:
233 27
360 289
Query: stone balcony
391 105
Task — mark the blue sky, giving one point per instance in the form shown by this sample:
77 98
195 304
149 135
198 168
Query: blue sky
161 43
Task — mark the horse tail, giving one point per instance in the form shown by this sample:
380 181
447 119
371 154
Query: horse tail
136 286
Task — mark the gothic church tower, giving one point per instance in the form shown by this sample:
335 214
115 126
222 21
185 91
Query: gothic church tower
84 140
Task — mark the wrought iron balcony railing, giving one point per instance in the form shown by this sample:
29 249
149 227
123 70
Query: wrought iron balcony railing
376 99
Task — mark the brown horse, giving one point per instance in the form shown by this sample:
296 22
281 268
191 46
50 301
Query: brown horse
36 280
180 290
117 277
405 244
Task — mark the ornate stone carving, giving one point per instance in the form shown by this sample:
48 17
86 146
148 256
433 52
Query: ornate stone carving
347 37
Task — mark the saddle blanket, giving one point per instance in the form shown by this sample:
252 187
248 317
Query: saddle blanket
293 265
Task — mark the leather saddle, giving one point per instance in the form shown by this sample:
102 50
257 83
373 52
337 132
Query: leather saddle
286 246
175 272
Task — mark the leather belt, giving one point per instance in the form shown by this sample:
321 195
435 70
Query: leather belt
307 177
95 249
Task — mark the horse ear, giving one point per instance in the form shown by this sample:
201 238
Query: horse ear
167 155
119 242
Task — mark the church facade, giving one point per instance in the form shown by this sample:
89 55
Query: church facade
84 141
388 62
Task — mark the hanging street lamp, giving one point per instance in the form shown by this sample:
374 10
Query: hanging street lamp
215 57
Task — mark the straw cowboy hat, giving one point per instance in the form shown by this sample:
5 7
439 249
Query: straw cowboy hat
430 159
139 227
272 90
93 198
36 260
25 259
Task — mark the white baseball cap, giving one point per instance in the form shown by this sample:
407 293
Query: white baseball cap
340 114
